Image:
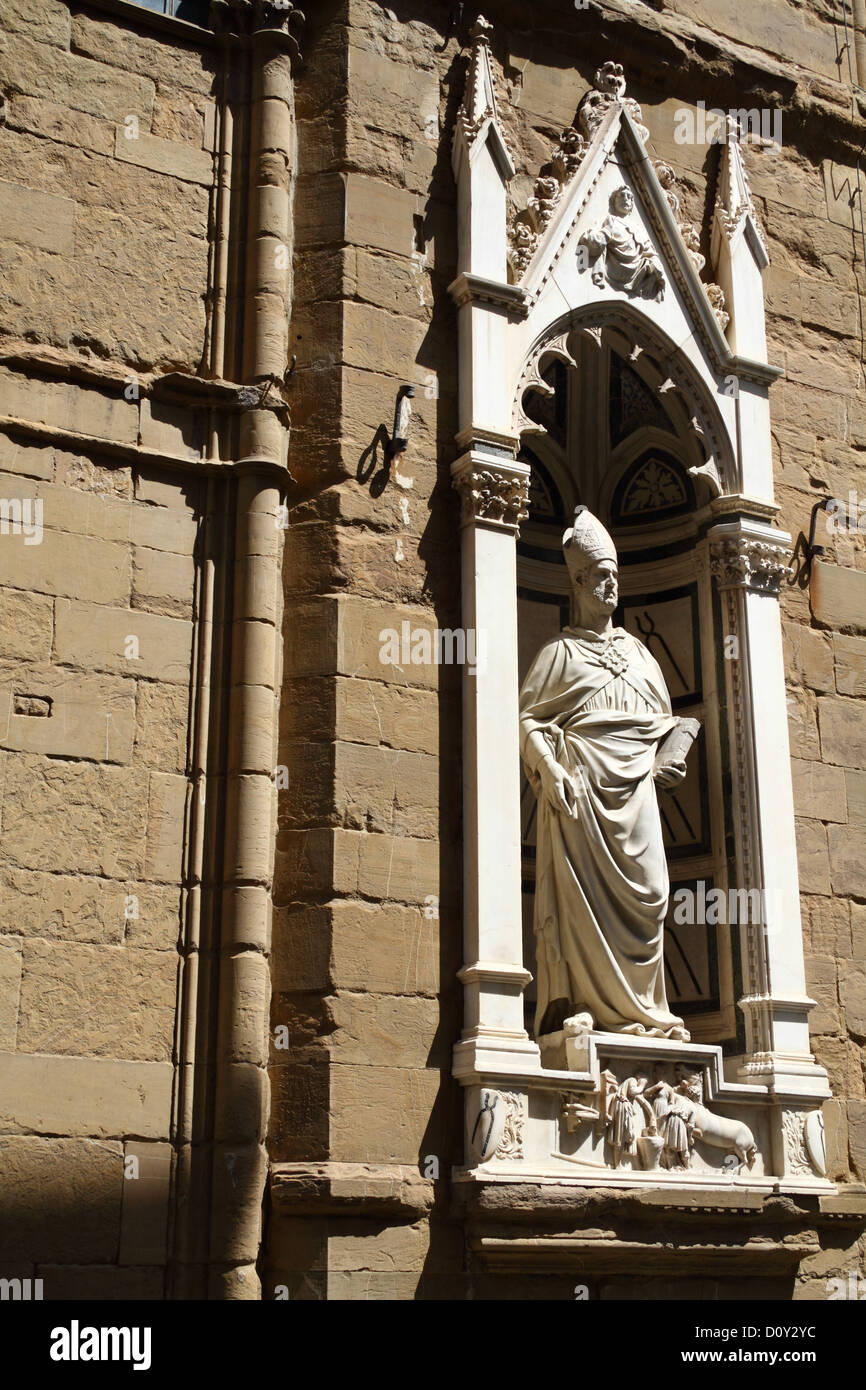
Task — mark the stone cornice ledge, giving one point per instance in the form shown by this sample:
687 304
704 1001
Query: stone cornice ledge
546 1228
475 289
382 1189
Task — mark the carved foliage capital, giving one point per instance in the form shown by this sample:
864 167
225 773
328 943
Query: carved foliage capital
748 563
493 495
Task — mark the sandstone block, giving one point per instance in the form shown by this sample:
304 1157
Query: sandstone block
174 432
858 931
152 915
33 460
381 790
106 1001
837 595
51 121
97 637
821 984
166 809
385 866
178 161
808 657
61 906
47 709
396 1249
850 665
144 1216
85 513
819 790
852 994
320 210
386 949
803 723
100 1097
843 731
10 988
826 927
79 471
66 565
847 863
374 338
836 1132
855 795
386 1030
372 712
842 1060
812 857
78 817
48 22
67 1198
161 726
162 582
116 46
381 1113
392 643
856 1117
25 626
379 215
37 219
74 81
164 489
392 283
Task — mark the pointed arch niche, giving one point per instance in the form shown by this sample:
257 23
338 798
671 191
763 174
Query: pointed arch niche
604 435
597 366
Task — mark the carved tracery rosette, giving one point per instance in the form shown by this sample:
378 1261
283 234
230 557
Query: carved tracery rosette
554 343
743 562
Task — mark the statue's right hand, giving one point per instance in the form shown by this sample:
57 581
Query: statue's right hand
557 787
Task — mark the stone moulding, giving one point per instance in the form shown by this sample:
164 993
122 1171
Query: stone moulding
673 1232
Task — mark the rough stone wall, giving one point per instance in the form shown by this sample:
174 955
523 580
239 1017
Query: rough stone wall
103 271
363 977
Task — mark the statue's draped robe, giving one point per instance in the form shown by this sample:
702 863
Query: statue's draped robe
601 885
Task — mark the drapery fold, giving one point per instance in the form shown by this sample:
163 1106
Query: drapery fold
601 889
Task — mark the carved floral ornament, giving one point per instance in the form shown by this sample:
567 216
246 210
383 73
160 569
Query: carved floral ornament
494 495
743 562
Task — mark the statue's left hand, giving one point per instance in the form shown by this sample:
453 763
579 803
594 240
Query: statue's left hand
670 775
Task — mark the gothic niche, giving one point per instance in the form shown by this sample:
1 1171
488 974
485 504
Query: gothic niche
610 431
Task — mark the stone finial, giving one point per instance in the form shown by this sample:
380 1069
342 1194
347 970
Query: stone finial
479 97
734 203
609 90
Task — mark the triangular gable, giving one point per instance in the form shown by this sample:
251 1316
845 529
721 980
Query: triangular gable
616 156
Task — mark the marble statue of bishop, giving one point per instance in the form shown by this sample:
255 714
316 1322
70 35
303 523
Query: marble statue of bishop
593 709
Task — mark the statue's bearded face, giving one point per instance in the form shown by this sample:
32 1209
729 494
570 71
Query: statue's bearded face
599 589
622 202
